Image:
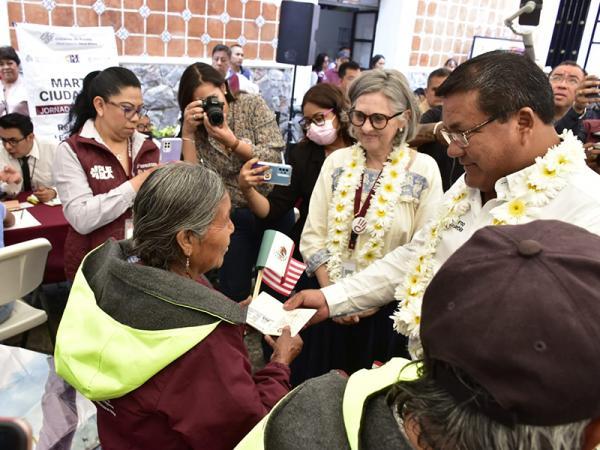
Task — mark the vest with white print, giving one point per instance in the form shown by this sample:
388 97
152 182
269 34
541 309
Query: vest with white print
104 172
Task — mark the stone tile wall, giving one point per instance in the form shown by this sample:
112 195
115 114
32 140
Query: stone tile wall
164 27
445 28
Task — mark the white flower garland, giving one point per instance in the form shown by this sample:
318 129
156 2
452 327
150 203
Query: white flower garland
386 195
533 188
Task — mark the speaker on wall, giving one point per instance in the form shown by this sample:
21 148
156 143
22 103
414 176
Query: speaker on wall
298 21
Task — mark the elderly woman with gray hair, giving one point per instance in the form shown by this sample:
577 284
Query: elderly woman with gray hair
369 199
146 337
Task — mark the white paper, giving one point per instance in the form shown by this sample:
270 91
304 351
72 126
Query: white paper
54 202
24 219
25 205
267 315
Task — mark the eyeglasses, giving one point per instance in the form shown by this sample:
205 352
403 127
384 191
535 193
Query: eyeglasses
378 121
461 138
12 141
129 111
558 78
318 119
143 127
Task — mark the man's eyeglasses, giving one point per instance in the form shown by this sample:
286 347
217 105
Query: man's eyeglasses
12 141
558 78
129 111
318 119
461 138
378 121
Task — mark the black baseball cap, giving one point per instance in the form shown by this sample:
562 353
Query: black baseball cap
517 309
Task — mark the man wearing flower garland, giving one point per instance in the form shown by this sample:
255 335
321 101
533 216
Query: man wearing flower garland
528 380
497 119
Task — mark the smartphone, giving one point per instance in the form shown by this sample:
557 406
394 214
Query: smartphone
280 174
15 434
170 149
533 18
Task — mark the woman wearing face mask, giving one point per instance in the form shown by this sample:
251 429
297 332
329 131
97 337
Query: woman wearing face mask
245 128
326 127
369 199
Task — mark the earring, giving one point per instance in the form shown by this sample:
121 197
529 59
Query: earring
187 266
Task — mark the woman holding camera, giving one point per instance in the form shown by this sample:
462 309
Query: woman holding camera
223 131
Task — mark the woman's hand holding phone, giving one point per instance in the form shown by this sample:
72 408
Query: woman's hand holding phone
250 176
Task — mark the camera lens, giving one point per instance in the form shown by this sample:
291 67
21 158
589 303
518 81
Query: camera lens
215 116
213 109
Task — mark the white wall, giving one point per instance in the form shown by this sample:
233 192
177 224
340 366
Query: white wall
593 65
394 33
4 24
542 34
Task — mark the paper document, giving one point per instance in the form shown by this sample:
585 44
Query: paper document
24 219
267 315
54 202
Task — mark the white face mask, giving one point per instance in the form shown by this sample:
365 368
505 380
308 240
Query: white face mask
322 135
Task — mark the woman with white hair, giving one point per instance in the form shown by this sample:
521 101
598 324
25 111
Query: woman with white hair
369 199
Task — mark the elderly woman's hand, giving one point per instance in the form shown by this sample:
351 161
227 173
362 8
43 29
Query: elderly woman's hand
285 347
250 177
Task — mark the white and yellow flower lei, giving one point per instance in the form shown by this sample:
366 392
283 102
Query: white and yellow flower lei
379 216
533 188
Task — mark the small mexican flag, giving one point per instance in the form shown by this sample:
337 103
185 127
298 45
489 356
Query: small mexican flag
281 271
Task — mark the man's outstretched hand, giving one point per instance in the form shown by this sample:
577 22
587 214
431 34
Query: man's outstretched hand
310 298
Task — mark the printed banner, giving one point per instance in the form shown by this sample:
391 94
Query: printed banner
54 61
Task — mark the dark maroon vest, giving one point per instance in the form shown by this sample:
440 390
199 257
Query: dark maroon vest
104 172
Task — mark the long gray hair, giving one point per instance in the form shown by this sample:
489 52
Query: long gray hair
394 86
173 198
445 424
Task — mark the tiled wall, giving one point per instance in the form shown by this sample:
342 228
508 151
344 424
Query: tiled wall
164 27
445 28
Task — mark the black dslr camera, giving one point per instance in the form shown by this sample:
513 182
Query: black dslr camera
213 109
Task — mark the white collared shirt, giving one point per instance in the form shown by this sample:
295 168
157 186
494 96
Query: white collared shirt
15 97
41 158
578 203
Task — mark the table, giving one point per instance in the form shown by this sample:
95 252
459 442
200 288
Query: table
59 417
54 228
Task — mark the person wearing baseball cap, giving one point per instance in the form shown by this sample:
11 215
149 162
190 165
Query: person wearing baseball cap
511 337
